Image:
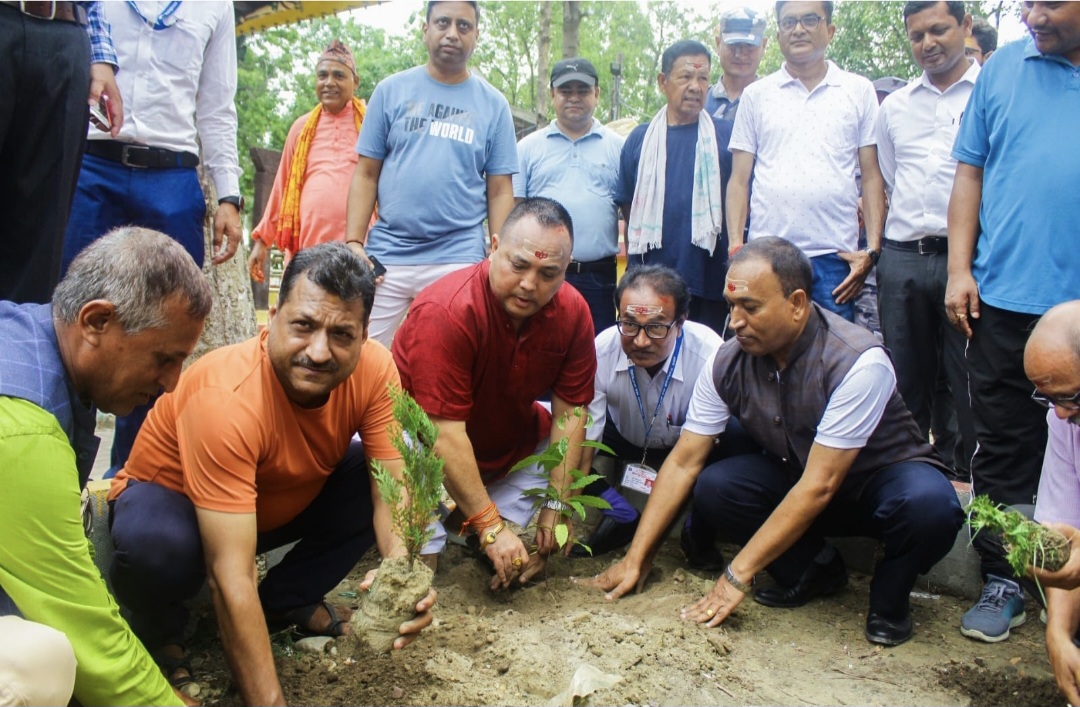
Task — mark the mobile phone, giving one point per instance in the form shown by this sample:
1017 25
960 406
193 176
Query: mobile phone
99 118
376 267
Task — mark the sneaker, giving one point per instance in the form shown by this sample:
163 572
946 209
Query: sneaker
1000 608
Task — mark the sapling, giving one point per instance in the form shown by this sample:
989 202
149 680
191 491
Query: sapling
1026 542
569 503
413 501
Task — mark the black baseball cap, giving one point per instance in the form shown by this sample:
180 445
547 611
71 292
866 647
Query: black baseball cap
574 69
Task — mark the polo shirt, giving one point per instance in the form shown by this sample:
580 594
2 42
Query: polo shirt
1059 486
461 359
1022 129
916 128
614 397
581 175
806 150
718 105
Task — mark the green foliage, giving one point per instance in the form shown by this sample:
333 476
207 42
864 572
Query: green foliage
554 457
414 499
1026 542
870 40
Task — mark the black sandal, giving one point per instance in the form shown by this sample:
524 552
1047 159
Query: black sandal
170 664
300 617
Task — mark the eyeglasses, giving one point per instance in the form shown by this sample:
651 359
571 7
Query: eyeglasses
809 22
653 331
1071 403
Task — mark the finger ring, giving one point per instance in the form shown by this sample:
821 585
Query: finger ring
516 562
961 317
709 613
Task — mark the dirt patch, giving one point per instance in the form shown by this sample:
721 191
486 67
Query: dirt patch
522 648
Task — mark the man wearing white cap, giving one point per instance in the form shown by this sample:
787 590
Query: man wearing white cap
740 42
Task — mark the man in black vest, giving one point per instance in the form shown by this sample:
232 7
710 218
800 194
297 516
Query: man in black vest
842 457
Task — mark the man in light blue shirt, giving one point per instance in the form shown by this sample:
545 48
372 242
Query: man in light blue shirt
575 161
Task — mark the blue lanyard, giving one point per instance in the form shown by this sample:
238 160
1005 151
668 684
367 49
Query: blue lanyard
161 22
663 391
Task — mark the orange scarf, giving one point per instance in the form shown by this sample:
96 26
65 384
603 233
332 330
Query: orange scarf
288 236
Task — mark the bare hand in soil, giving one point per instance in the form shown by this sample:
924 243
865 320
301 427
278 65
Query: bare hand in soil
185 699
537 565
410 630
546 542
619 579
715 606
503 552
1065 660
1068 577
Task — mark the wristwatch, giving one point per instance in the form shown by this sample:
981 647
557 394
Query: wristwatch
488 536
237 201
874 256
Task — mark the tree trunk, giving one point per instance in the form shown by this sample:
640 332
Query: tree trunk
571 21
232 318
543 95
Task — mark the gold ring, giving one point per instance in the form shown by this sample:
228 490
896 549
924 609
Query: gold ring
961 317
516 562
709 613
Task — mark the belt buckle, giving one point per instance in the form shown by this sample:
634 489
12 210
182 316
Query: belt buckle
124 152
922 250
52 13
576 264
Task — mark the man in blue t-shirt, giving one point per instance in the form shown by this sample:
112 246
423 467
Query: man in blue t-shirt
437 152
661 166
1012 256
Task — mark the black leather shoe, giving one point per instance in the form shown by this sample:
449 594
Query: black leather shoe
609 535
705 559
817 581
886 631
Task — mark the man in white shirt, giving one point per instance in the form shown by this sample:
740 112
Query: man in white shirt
916 128
842 456
801 133
178 78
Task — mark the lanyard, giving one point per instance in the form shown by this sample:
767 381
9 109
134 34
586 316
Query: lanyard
663 390
162 20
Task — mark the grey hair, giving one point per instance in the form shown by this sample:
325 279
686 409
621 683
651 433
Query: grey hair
138 270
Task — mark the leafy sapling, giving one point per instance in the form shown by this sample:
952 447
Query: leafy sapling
565 501
1026 542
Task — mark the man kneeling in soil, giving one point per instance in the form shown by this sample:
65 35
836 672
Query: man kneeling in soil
478 348
255 450
842 457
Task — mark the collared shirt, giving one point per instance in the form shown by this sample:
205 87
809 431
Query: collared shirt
581 175
719 105
101 46
614 397
806 148
179 83
916 128
1020 128
1059 486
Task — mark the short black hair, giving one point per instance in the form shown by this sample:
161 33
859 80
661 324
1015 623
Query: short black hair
955 7
826 6
681 48
663 280
789 264
336 269
475 7
985 34
547 212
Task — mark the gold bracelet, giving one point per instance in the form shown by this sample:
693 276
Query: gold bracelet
488 536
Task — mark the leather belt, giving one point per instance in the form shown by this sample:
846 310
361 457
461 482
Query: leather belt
63 11
931 245
577 267
140 156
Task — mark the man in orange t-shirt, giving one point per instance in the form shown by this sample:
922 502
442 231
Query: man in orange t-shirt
252 451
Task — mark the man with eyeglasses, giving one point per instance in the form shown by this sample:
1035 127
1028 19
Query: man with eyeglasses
646 366
740 44
1012 256
801 134
982 42
575 160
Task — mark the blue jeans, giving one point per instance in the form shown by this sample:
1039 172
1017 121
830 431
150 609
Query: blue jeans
829 271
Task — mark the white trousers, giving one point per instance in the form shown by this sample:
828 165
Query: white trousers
394 295
37 664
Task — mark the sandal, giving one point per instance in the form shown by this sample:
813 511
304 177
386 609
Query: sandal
300 617
170 664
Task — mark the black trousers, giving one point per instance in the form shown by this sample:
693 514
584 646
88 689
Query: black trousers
159 562
1009 426
710 312
44 83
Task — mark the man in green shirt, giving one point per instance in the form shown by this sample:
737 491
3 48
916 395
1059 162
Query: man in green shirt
123 320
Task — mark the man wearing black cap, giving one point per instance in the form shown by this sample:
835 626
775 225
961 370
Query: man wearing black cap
740 44
575 161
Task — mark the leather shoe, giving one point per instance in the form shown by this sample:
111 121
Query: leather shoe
886 631
609 535
705 559
818 580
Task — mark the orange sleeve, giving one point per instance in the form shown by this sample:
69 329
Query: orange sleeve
267 229
378 372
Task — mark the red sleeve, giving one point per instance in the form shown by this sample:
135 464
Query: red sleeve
576 380
435 356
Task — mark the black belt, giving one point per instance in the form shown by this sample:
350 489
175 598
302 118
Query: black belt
141 156
931 245
63 11
577 267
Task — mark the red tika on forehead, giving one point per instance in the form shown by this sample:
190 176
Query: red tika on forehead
540 254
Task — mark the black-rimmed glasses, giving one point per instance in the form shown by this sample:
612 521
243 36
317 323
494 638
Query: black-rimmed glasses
809 22
1071 403
653 331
